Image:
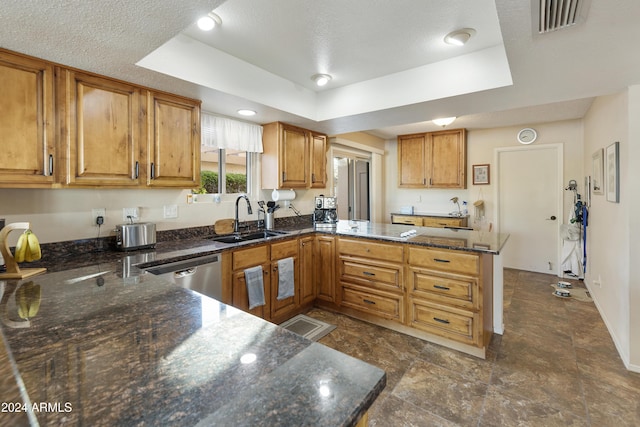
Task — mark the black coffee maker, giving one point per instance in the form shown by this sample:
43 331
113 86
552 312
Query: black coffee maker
326 212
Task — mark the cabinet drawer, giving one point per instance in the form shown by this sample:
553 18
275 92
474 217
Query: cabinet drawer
441 222
448 322
406 219
369 249
250 257
459 291
382 275
443 260
379 303
286 249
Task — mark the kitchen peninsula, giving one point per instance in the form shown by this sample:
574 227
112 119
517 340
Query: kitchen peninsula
104 350
125 347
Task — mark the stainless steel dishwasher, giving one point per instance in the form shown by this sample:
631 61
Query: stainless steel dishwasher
202 274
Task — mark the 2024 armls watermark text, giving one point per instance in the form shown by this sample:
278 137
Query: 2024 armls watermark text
36 407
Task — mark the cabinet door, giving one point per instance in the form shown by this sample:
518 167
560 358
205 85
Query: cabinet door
326 268
103 126
284 308
447 159
411 161
241 296
26 122
318 161
307 267
174 142
294 157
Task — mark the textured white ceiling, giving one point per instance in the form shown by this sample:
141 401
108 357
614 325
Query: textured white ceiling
554 76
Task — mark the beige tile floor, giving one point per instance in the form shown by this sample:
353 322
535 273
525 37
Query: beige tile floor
555 365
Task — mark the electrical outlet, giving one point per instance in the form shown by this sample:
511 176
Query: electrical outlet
598 282
95 213
129 212
171 211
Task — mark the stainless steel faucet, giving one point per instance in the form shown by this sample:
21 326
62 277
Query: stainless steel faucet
236 224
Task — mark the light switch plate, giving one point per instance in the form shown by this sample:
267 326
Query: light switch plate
170 211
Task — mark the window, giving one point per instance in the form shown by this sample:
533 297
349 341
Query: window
227 176
229 149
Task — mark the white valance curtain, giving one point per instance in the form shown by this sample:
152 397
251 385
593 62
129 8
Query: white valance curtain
219 132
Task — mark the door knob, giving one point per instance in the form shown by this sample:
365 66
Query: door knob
552 218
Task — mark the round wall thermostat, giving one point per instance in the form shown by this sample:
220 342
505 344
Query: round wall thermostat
527 136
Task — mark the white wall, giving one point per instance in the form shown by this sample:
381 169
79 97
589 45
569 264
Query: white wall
65 214
632 174
612 248
481 145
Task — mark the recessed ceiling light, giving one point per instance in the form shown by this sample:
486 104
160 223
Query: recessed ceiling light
244 112
321 79
445 121
459 37
207 23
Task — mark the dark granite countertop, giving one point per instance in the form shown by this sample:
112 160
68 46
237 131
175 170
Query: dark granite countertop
445 238
119 351
123 347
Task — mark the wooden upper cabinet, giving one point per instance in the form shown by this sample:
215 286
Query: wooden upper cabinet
26 122
448 159
102 129
432 160
66 127
292 157
174 141
318 160
412 160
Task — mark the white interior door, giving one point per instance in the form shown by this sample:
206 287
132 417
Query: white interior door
530 206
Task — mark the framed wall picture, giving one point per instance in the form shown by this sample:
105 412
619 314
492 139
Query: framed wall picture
612 178
481 175
597 168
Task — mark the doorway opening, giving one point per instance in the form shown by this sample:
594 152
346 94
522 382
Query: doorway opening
351 186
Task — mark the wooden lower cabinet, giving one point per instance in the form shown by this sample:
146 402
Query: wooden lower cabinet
241 297
429 221
267 257
449 322
325 270
450 295
241 260
379 303
371 278
439 295
286 308
307 270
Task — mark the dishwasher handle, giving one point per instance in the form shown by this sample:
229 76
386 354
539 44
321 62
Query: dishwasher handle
185 273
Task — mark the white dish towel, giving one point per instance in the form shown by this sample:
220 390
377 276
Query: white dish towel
255 286
286 283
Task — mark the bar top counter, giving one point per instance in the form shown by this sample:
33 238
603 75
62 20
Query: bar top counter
108 350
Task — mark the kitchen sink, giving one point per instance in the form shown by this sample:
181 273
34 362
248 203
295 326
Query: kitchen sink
245 237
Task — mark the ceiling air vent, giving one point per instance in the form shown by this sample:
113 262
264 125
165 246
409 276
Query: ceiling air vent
558 14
